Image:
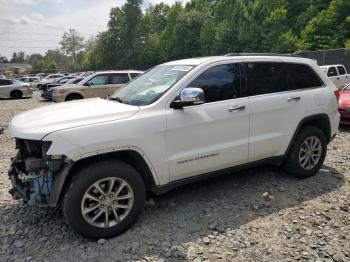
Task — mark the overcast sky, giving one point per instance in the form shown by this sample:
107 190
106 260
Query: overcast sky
33 26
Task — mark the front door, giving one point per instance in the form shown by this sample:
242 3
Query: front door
213 135
334 76
98 86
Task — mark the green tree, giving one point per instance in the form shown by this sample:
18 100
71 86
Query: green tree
329 28
72 42
18 57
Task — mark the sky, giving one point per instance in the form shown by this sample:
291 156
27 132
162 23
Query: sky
34 26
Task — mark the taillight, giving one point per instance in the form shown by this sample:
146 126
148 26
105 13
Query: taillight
337 95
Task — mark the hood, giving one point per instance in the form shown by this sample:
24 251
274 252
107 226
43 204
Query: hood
37 123
344 99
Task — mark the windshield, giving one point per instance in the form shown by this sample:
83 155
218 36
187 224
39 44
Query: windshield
150 86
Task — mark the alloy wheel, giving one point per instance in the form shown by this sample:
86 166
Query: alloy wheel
107 202
310 152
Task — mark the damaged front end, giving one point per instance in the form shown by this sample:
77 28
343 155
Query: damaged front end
32 172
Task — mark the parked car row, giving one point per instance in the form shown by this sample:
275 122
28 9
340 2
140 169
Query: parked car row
100 84
48 88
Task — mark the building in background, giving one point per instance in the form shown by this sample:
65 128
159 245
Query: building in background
15 69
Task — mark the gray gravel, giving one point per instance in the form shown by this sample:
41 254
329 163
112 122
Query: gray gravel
256 215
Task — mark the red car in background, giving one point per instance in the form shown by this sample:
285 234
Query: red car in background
343 96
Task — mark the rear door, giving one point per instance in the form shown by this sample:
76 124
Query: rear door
280 95
5 87
275 111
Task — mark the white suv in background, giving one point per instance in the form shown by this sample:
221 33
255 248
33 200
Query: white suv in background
180 122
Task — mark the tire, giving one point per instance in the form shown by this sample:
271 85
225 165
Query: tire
16 94
73 97
84 180
39 87
296 163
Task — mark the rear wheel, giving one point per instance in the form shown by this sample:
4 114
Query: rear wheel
307 153
16 94
104 199
73 97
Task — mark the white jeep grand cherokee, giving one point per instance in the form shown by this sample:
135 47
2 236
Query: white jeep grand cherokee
179 122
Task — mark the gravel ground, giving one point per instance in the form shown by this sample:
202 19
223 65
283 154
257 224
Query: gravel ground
256 215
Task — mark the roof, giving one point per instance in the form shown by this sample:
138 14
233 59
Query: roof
326 66
261 57
118 71
192 61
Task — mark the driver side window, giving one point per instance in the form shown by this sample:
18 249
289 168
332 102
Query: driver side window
332 71
219 83
99 80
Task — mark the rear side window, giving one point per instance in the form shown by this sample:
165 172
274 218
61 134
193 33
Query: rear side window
5 82
119 79
134 75
332 71
302 76
219 83
99 80
265 78
77 80
341 70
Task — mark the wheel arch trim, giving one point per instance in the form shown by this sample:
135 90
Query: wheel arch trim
62 177
323 119
73 92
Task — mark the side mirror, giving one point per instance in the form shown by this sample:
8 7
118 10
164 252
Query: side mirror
189 97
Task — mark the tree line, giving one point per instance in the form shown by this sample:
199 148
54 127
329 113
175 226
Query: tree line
137 38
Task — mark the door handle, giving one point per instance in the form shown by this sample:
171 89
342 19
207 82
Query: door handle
236 108
296 98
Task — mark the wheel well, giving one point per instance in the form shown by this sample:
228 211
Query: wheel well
322 122
129 156
16 91
74 94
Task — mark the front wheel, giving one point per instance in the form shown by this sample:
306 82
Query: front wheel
16 94
104 199
307 153
72 97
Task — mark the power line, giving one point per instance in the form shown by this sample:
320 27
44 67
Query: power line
41 33
29 41
33 47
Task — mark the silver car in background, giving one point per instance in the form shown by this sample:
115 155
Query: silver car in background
11 88
31 80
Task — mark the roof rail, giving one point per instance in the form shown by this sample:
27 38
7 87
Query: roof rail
261 54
